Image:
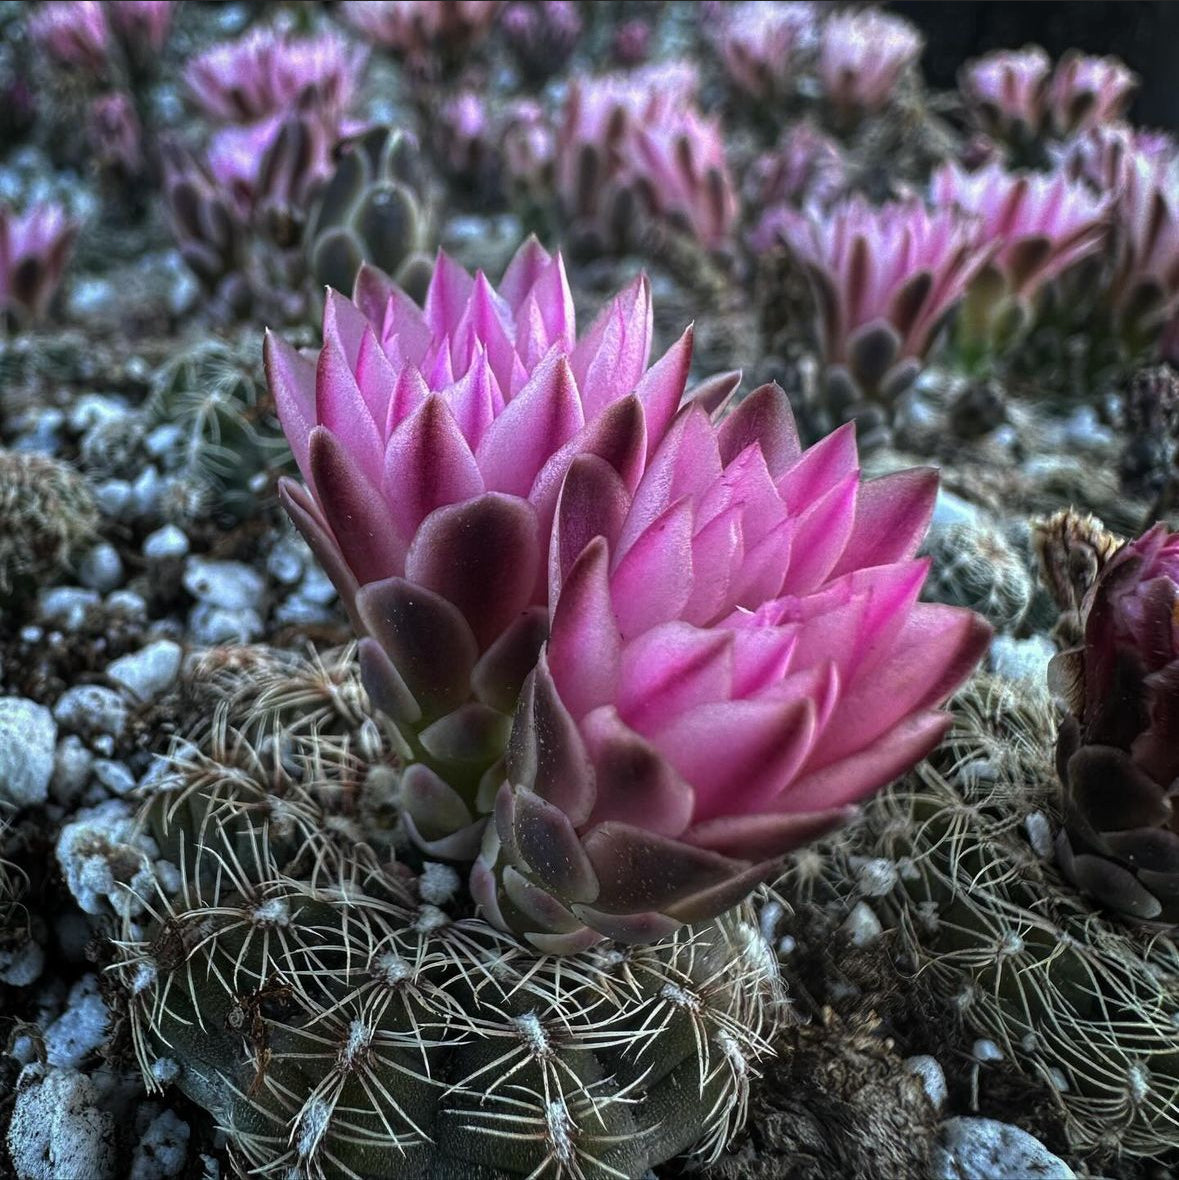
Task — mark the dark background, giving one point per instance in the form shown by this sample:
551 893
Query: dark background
1143 33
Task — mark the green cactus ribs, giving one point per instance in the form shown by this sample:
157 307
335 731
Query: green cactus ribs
339 1016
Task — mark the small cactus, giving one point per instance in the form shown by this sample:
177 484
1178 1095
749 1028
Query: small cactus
984 921
339 1015
48 513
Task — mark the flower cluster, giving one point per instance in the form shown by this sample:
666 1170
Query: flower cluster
429 35
884 280
541 36
34 250
1017 97
567 585
81 34
759 43
633 146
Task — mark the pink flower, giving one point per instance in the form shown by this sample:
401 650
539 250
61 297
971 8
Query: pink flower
34 249
862 56
115 135
433 445
264 72
634 144
1006 91
884 280
758 43
73 33
1041 224
541 35
737 655
1089 92
806 168
419 29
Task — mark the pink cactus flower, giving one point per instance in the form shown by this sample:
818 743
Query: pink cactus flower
631 44
1041 223
264 72
759 43
115 134
1088 92
806 168
541 35
634 144
862 56
420 29
142 24
884 280
73 33
737 656
433 444
1006 92
34 250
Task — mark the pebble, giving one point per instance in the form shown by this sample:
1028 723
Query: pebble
286 561
862 926
149 672
210 625
230 585
66 606
984 1149
163 1151
162 439
101 568
146 492
90 709
165 542
933 1078
1025 660
113 497
92 409
949 509
985 1050
114 776
28 738
58 1129
72 766
81 1029
127 603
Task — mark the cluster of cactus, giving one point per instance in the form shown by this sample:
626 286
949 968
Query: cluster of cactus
48 513
338 1013
957 861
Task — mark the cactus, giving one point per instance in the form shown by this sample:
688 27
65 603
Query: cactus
960 855
340 1016
373 209
48 512
975 566
226 441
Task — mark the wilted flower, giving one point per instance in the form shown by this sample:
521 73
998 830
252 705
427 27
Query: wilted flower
806 168
758 43
434 444
862 56
1006 92
1088 92
1039 224
737 656
884 281
1118 752
634 145
34 249
73 33
541 35
424 32
265 72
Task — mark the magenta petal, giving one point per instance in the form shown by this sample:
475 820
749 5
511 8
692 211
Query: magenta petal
341 408
483 556
426 638
428 464
528 264
552 300
670 669
635 783
827 463
387 690
545 841
653 580
892 514
612 356
307 518
863 771
766 836
593 503
585 645
820 536
355 511
446 298
764 418
764 743
499 676
291 378
662 387
545 750
718 548
533 427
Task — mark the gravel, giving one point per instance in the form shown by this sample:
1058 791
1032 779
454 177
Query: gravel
149 672
28 738
984 1149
